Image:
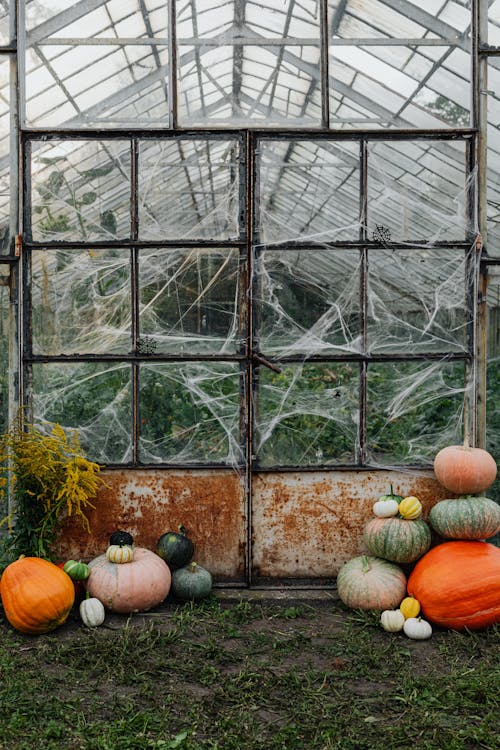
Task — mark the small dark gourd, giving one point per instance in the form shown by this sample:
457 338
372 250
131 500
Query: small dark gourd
191 583
121 538
175 548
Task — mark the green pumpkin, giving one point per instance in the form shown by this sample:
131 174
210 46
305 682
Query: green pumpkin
467 517
191 583
175 548
77 571
397 539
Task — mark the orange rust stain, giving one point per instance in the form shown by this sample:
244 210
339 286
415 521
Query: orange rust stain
308 525
211 506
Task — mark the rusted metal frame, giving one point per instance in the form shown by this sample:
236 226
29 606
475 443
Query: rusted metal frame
128 243
134 290
251 369
363 291
324 63
312 245
89 357
480 89
274 133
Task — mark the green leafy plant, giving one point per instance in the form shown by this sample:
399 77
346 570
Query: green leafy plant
50 480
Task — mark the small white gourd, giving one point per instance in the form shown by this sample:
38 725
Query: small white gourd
385 508
92 612
117 553
392 620
417 628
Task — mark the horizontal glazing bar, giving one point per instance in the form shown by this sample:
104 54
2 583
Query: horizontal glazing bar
269 133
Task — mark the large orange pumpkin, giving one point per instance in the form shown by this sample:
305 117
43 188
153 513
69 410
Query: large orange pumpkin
137 586
37 596
458 585
465 470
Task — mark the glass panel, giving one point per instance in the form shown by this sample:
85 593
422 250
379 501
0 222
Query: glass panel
275 85
245 60
5 373
309 301
493 36
417 191
81 190
189 300
5 156
81 301
398 86
190 413
398 20
413 410
94 398
309 190
4 23
188 189
116 18
416 301
493 376
307 415
493 157
101 85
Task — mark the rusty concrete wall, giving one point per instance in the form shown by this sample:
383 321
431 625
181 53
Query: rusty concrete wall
306 525
210 504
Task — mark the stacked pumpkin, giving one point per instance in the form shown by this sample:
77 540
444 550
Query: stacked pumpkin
396 535
458 582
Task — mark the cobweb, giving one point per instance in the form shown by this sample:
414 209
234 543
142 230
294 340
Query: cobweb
367 345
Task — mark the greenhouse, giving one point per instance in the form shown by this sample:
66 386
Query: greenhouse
250 253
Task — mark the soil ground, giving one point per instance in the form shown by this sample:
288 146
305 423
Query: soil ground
245 671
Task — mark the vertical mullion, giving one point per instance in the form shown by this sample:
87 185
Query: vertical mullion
480 10
250 225
324 64
363 284
134 283
172 65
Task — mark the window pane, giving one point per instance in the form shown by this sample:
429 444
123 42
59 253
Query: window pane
5 156
93 398
308 415
417 190
414 409
190 413
189 300
81 301
493 157
85 86
241 61
309 301
189 189
5 373
309 190
416 301
399 86
80 190
493 375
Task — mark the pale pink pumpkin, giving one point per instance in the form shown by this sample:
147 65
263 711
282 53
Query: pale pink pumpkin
465 470
135 587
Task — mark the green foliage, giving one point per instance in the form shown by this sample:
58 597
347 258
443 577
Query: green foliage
51 480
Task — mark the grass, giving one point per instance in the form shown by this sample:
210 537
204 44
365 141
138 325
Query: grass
247 676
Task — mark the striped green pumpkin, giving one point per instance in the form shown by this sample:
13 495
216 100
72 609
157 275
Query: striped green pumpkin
397 539
467 517
367 582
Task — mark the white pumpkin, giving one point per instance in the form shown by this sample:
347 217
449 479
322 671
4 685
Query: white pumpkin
385 508
92 612
417 628
392 620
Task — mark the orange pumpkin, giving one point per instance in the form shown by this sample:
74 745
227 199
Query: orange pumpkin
137 586
37 596
465 470
458 585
